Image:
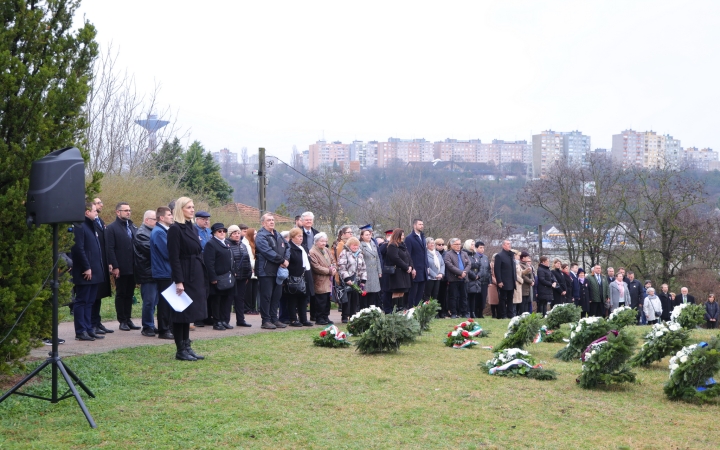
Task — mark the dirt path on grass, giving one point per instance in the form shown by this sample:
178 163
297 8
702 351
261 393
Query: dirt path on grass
123 339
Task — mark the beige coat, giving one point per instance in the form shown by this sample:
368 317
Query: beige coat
492 295
320 261
517 295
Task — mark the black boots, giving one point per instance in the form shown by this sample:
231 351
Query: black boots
185 352
190 351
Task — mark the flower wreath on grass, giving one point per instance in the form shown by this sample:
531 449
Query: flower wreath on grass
622 317
361 320
691 373
425 312
387 333
604 360
463 334
513 362
331 337
688 315
547 335
582 334
562 313
522 330
664 339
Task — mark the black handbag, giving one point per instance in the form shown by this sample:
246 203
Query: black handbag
390 270
226 281
295 285
339 294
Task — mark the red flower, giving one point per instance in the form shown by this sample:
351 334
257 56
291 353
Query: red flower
450 334
364 293
470 320
456 327
323 333
465 334
463 325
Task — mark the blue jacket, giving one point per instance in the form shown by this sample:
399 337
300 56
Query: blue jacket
418 254
86 254
159 256
204 234
270 251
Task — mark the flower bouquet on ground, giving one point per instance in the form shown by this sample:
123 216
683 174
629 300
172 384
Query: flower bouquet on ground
361 320
547 335
688 315
664 339
515 362
331 337
387 332
604 360
622 317
522 330
425 312
691 373
463 334
562 313
581 335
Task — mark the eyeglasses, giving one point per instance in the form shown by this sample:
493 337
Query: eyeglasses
440 245
125 210
150 218
221 231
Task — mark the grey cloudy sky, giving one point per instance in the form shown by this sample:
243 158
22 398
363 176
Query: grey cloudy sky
277 74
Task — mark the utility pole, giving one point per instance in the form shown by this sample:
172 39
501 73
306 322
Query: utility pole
540 238
262 182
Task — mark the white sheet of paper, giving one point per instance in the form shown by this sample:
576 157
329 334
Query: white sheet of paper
178 302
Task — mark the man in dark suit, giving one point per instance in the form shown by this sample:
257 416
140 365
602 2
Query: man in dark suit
143 273
104 289
415 243
87 274
637 295
665 302
598 291
218 261
684 297
119 237
306 221
505 276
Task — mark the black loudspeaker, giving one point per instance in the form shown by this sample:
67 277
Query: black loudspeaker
57 188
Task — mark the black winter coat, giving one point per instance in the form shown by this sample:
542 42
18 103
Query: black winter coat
296 269
666 305
104 288
119 246
561 286
401 280
473 273
218 261
583 299
188 267
505 272
241 258
636 293
86 254
545 290
141 252
712 311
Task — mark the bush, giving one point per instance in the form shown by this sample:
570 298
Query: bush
387 333
562 313
521 331
605 361
425 313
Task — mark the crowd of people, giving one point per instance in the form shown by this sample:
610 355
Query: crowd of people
281 275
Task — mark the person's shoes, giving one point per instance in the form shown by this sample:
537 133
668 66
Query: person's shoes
219 326
453 316
106 330
472 316
200 324
268 326
308 324
97 330
295 324
279 325
183 355
48 341
481 317
190 351
192 327
243 324
253 313
123 326
286 322
227 326
149 332
84 337
467 316
132 326
95 336
321 322
344 321
329 322
313 319
166 335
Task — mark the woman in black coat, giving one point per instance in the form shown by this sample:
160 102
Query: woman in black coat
188 273
561 288
568 298
299 266
243 271
583 299
219 261
545 286
400 282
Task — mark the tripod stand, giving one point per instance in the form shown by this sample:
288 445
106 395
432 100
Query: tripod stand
54 359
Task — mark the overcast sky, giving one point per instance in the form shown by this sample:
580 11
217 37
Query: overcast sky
276 74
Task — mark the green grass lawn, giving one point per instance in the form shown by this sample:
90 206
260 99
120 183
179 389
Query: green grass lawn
275 390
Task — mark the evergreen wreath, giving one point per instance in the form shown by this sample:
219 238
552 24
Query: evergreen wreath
582 334
562 313
425 313
361 320
691 373
605 360
514 362
547 335
463 334
664 339
331 337
688 315
387 333
622 317
522 330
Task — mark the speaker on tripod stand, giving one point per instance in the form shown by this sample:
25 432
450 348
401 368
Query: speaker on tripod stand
56 196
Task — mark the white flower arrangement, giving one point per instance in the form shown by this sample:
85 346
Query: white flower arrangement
676 311
368 310
681 357
617 311
507 355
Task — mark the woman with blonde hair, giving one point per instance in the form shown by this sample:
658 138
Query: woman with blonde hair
251 288
352 271
189 275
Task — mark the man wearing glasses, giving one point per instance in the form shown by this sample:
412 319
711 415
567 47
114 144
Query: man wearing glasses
202 225
143 273
119 242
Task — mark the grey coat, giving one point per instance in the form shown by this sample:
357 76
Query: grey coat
372 266
433 270
614 291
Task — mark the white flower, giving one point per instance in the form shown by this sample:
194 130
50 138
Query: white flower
455 333
674 326
658 333
683 359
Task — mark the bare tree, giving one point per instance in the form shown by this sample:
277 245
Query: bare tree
245 159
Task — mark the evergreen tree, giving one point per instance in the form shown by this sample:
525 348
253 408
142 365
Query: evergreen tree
44 82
